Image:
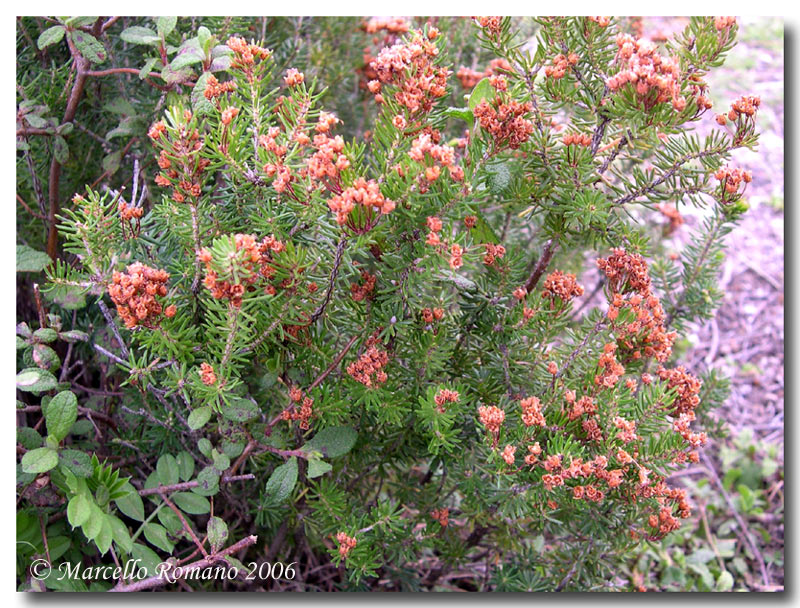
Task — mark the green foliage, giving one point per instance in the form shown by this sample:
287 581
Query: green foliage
339 332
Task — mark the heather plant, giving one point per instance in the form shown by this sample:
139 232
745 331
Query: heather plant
367 351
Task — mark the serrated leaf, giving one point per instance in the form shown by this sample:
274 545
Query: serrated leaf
30 260
192 503
217 531
89 46
140 35
33 379
282 481
61 414
332 441
51 35
199 417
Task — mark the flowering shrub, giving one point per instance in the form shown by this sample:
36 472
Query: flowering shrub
378 348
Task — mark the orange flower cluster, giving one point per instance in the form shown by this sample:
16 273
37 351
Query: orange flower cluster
426 145
393 25
134 293
578 139
228 115
252 264
612 370
304 413
681 426
584 405
492 418
492 24
129 212
346 544
686 387
625 270
470 221
328 160
746 106
469 77
368 369
732 178
431 315
505 122
363 291
601 21
627 429
442 516
520 293
207 374
245 55
493 253
561 285
409 67
444 396
435 227
665 522
293 77
722 23
179 158
363 192
508 454
646 70
674 216
456 259
215 88
532 412
560 65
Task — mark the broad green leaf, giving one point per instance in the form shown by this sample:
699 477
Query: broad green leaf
156 535
317 467
45 357
29 438
332 441
120 533
148 65
282 481
186 58
94 524
167 469
724 581
39 460
461 113
30 260
33 379
482 232
208 480
77 462
192 503
61 414
499 178
140 35
60 149
240 410
198 418
217 531
45 334
131 505
482 90
78 510
165 25
185 465
221 461
200 105
89 46
50 36
148 559
74 335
